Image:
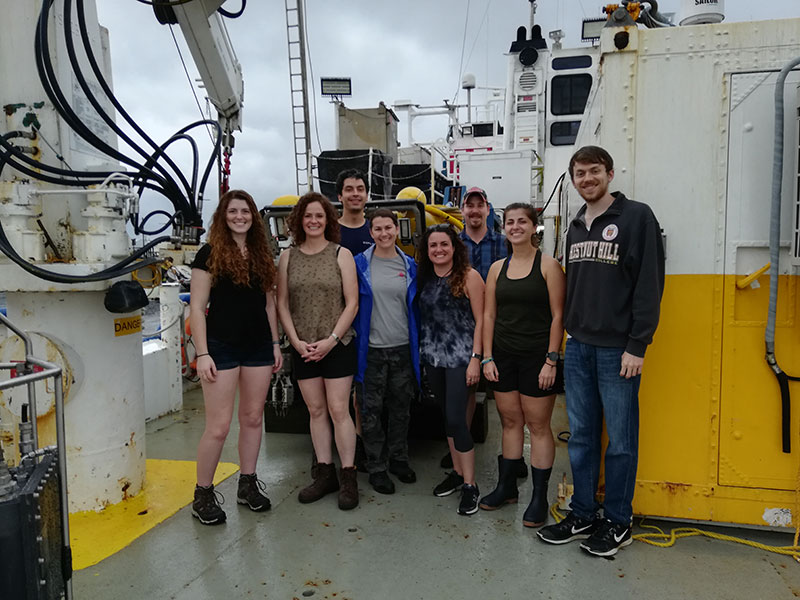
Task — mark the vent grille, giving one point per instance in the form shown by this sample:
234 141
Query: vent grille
528 81
526 107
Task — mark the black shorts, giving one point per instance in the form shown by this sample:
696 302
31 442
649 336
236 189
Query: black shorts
520 373
228 356
341 361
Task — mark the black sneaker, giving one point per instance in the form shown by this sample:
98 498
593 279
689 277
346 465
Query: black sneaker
469 499
446 462
402 471
252 492
206 506
381 482
451 483
608 538
571 528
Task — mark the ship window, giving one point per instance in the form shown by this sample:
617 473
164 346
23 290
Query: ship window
572 62
563 133
570 93
483 129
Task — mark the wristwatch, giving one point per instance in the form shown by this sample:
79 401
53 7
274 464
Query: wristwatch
552 356
476 355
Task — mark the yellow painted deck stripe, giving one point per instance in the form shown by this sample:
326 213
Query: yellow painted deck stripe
170 486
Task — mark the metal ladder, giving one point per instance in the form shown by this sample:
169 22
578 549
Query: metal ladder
295 36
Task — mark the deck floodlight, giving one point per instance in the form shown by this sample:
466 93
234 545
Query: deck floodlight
336 86
591 28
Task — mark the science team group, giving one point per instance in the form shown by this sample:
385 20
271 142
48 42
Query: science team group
355 307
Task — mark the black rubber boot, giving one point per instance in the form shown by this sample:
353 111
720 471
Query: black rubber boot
506 491
536 513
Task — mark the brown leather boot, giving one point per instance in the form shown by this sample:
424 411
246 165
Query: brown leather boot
348 493
325 482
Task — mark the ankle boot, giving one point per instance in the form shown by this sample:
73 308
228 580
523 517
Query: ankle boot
325 482
348 493
506 491
536 513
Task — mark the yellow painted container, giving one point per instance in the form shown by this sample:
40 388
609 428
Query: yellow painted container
687 114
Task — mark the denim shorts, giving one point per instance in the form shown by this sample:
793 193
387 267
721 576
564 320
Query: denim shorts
229 356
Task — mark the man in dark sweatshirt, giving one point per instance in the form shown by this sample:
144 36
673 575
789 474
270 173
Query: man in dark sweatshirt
615 278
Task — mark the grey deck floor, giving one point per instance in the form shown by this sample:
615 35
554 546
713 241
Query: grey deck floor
409 545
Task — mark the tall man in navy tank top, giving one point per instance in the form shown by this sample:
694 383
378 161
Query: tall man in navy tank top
615 278
352 188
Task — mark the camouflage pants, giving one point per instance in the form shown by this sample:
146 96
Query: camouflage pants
388 388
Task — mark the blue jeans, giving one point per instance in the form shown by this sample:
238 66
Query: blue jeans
595 389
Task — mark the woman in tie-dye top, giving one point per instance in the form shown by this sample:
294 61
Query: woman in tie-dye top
451 314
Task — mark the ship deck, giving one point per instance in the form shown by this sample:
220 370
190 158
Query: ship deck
407 545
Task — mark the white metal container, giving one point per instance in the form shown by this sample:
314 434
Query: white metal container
700 12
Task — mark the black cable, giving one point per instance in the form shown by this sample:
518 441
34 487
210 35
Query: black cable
555 187
164 2
52 89
112 98
122 268
233 15
170 221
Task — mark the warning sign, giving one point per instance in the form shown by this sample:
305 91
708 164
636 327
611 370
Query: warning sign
127 325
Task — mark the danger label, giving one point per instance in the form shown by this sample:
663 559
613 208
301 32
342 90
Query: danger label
127 325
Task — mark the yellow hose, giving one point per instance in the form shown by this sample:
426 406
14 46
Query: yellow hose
437 212
665 540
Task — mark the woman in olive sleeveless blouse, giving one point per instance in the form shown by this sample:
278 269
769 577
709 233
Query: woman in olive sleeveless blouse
317 302
522 335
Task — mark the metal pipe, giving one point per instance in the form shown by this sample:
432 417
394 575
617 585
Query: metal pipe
61 442
31 389
775 213
4 385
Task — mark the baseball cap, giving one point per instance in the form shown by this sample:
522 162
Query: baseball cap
475 190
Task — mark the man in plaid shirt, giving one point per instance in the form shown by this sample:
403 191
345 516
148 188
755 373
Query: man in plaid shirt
483 245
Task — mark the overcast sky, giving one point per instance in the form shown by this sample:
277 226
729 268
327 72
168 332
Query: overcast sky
391 50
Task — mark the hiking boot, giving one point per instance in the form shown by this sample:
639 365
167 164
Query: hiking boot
446 462
252 492
469 499
536 513
402 471
348 493
206 506
608 538
325 482
381 482
506 491
452 482
571 528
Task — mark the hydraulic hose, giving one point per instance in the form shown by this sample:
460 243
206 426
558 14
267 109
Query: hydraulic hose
774 254
113 99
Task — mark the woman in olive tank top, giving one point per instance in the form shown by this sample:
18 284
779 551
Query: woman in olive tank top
522 335
317 302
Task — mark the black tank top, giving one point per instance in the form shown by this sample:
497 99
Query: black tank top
522 324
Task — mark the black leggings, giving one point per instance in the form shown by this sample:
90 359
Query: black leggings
450 388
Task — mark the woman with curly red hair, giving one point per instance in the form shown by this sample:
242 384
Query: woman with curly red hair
237 345
317 302
451 316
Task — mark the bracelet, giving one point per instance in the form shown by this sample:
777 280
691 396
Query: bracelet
487 360
203 354
476 355
549 364
336 337
276 342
